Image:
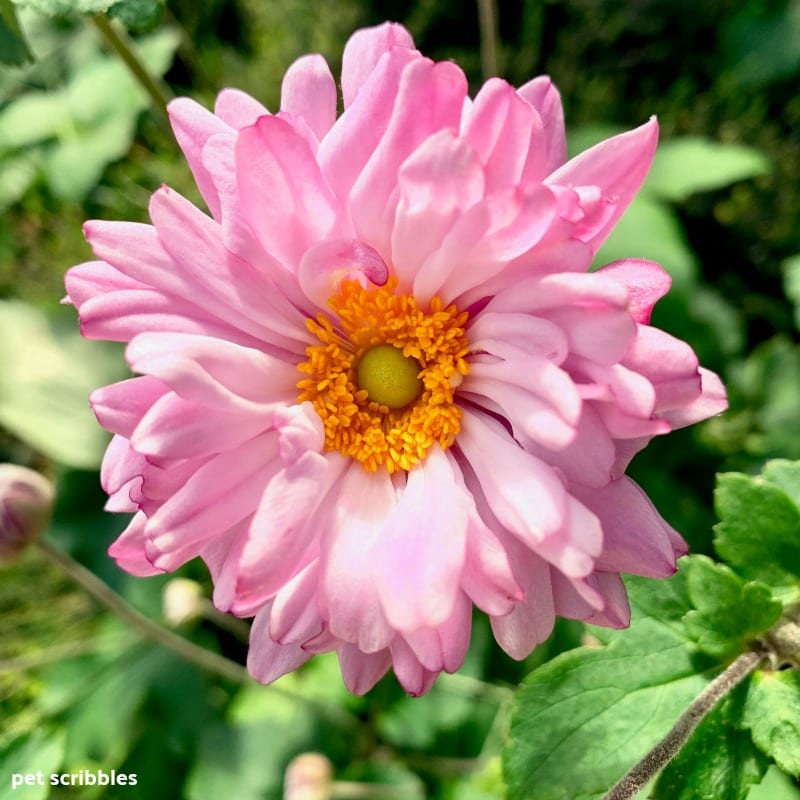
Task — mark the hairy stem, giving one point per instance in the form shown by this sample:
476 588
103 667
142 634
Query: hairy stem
106 596
637 778
487 19
155 88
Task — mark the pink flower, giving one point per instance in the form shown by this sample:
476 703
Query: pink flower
377 386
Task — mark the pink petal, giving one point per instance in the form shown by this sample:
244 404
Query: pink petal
361 671
444 647
350 599
646 282
355 135
213 371
713 400
523 492
295 616
193 126
266 660
120 407
430 98
326 264
418 559
178 427
284 198
363 51
544 97
413 677
238 109
309 91
128 549
441 179
616 613
617 166
636 539
502 127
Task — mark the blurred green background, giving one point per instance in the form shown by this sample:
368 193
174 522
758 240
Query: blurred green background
79 140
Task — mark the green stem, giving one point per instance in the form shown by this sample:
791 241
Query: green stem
487 20
206 659
155 88
638 777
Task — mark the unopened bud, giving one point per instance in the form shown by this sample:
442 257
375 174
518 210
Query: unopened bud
26 505
182 601
309 776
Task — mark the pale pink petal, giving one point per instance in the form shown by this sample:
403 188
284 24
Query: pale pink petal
350 600
544 97
295 617
430 98
616 613
646 282
417 564
309 91
636 539
284 198
413 677
238 109
713 400
363 51
507 134
618 167
326 264
361 671
267 660
120 407
128 549
441 179
193 126
444 647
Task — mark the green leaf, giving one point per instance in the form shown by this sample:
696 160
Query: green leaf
719 762
785 474
691 164
14 49
791 284
759 529
583 719
45 383
61 8
39 752
772 712
776 785
139 15
728 612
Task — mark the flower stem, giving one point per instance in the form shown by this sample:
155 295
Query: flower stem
206 659
156 89
637 778
487 19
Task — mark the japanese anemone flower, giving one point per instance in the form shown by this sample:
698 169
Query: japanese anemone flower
377 385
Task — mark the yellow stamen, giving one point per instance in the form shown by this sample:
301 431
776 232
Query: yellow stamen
355 424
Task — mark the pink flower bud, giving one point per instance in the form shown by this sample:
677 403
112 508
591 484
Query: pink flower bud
26 503
308 777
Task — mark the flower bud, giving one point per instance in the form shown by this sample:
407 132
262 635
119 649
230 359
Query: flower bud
309 776
182 601
26 504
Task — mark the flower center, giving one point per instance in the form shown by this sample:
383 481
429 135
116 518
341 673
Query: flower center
389 378
384 375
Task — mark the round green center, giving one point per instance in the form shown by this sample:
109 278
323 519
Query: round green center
389 377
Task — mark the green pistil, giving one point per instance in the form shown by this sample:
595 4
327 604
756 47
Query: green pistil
389 377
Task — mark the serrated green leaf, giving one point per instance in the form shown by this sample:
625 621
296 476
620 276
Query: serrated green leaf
45 383
691 164
14 49
39 751
772 713
583 719
786 475
728 612
719 762
759 529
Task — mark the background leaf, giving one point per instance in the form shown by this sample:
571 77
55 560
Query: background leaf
772 712
13 47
